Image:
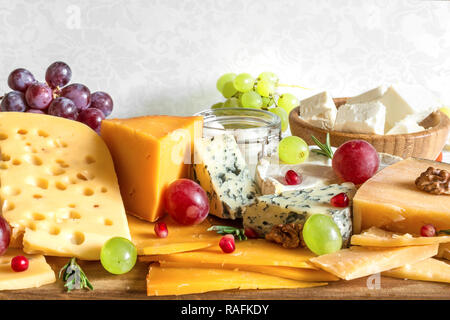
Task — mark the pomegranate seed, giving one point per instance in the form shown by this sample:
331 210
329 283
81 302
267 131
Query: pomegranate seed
19 263
292 178
161 230
250 233
340 200
226 243
428 230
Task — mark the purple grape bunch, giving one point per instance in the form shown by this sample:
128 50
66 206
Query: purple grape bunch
56 96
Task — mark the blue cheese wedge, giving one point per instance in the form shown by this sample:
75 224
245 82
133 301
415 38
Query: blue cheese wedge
220 169
296 206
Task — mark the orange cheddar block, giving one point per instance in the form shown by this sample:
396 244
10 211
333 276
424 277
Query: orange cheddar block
149 153
162 281
426 270
179 239
390 200
299 274
357 262
375 237
250 252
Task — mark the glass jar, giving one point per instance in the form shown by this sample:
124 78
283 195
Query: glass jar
257 132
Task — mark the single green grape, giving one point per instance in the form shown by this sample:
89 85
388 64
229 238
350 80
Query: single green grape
267 102
228 89
321 234
217 105
288 102
243 82
251 99
268 76
232 103
283 116
224 79
265 88
118 255
293 150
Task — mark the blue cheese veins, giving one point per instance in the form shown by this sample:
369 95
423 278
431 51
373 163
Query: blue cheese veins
220 169
297 205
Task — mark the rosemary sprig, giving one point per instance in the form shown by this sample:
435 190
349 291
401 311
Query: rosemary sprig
444 231
325 149
236 232
74 277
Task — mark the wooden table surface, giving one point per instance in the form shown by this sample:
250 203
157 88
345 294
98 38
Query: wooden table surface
132 286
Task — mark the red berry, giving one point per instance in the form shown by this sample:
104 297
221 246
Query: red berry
428 230
226 243
292 178
161 230
250 233
340 200
19 263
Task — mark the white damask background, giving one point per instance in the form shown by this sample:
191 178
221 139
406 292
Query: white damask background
164 56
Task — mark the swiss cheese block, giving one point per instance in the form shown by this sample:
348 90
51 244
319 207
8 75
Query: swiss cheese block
375 237
249 252
425 270
163 281
149 153
38 273
390 200
357 262
59 191
179 239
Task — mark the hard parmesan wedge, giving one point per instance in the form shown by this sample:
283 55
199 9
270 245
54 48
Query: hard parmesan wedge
425 270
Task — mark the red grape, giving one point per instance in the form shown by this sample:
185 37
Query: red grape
186 202
102 101
19 263
20 79
14 101
39 95
5 235
63 107
355 161
79 94
292 178
35 111
92 118
58 74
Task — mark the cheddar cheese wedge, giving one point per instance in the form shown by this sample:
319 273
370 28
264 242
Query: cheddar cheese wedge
425 270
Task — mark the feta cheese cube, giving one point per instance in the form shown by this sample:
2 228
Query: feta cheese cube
319 110
361 118
407 125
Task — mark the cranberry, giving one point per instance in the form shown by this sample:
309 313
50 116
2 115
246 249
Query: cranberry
161 230
428 230
340 200
227 244
292 178
19 263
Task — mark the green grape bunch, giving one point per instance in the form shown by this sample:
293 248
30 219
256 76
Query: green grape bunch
244 91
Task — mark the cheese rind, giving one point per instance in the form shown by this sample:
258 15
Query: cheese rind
357 262
366 117
319 110
426 270
222 172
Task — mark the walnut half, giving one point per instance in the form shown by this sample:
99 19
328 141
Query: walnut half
288 235
435 181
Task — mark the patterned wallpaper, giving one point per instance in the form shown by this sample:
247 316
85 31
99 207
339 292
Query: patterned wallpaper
164 56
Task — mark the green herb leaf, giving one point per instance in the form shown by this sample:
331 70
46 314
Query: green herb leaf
238 233
74 277
444 231
325 149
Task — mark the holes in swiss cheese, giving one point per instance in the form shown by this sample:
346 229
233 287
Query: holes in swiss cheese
8 206
22 131
16 162
60 186
89 159
88 192
74 215
56 171
3 136
41 183
62 163
54 231
6 157
11 191
108 222
103 190
42 133
38 216
77 238
37 196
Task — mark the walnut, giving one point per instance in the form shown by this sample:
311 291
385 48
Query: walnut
434 181
288 235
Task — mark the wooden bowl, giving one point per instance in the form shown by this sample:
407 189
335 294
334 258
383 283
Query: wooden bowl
425 144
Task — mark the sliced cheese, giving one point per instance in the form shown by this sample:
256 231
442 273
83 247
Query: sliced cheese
180 238
299 274
444 251
426 270
250 252
163 281
39 273
58 190
357 262
375 237
149 153
390 200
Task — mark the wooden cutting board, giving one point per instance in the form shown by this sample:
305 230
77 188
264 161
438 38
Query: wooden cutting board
132 286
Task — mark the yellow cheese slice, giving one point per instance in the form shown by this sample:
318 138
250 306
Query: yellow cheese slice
163 281
180 238
38 273
299 274
357 262
375 237
58 190
426 270
250 252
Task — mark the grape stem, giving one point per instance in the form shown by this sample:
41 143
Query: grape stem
292 86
